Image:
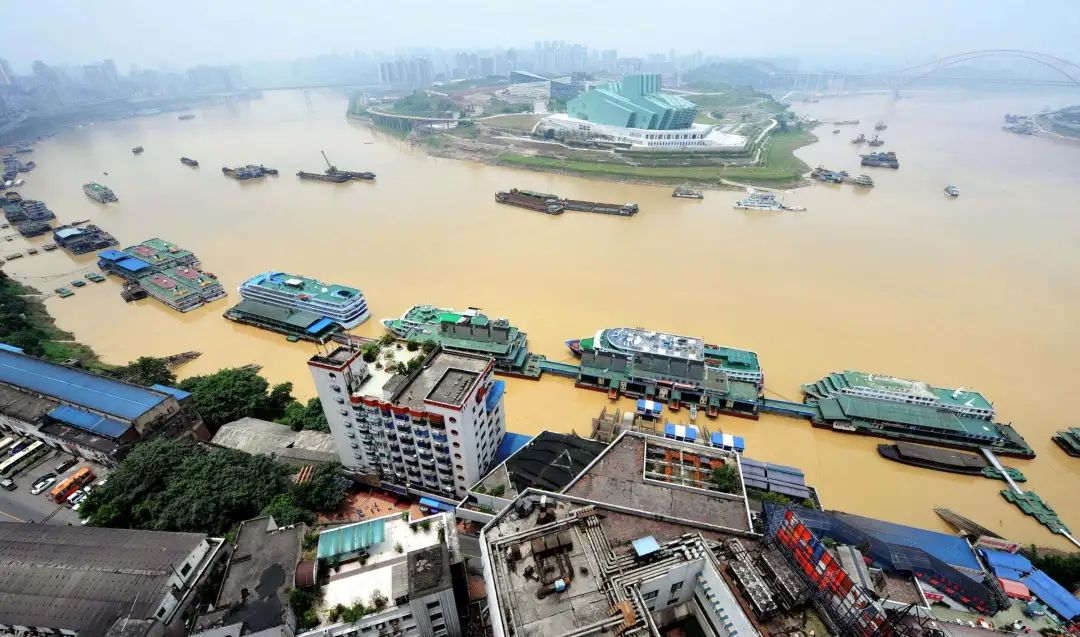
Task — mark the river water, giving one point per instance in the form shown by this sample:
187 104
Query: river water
981 291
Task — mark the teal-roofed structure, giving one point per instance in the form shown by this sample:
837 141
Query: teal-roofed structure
634 102
348 541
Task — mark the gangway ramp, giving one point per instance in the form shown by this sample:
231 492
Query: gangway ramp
559 369
788 408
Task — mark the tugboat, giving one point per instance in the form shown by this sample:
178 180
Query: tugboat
686 193
865 181
137 150
880 126
952 191
187 161
876 141
861 139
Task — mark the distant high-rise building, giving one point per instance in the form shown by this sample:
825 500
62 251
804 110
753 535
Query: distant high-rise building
7 76
487 66
414 73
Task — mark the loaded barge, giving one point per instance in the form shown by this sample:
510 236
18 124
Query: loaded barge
249 171
333 175
554 205
971 464
99 193
881 160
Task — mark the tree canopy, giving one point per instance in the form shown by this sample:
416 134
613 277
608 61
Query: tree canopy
234 393
170 485
146 371
305 416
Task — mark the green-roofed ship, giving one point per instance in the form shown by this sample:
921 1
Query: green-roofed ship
471 332
737 364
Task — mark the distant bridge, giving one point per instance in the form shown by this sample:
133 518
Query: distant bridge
900 78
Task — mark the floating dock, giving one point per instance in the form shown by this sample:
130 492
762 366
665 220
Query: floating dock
292 323
1031 504
1069 441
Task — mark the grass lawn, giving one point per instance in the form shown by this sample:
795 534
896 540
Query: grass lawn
780 165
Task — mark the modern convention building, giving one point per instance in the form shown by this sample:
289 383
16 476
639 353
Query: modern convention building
633 113
85 414
434 430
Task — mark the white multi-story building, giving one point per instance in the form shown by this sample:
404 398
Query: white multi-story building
435 430
697 137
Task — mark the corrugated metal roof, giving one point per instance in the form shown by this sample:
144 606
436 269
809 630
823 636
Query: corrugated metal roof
179 394
1053 595
87 421
88 390
950 549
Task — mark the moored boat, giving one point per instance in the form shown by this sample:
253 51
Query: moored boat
687 193
861 139
187 161
337 303
883 160
99 193
864 180
952 191
759 201
137 150
249 171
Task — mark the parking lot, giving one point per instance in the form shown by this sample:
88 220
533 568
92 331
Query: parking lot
20 505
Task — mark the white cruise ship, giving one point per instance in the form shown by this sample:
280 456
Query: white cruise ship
343 305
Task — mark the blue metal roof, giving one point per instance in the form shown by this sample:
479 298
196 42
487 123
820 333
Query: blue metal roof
1007 565
87 421
432 503
511 442
494 395
179 394
11 348
1054 595
351 538
950 549
124 401
132 264
112 255
319 325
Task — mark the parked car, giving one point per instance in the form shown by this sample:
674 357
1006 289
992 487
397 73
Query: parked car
43 483
65 465
76 497
7 484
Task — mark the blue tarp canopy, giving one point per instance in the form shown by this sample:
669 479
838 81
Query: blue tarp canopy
494 394
87 421
351 538
1053 595
319 325
126 402
432 503
131 264
511 442
680 432
112 255
650 407
1008 565
727 441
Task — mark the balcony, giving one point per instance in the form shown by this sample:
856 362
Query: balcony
423 444
439 437
441 449
421 433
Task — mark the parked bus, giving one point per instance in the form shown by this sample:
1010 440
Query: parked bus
77 480
23 459
5 443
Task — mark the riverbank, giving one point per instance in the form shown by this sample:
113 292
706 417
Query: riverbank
27 324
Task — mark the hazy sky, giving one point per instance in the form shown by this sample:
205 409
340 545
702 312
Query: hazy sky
180 34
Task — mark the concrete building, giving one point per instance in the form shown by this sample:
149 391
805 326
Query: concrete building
89 415
433 431
280 442
401 571
253 598
634 102
412 73
91 582
526 84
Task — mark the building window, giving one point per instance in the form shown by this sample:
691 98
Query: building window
676 586
650 595
185 570
161 612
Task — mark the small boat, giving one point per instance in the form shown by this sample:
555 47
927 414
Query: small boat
78 283
32 251
49 247
137 150
836 131
185 117
23 149
864 181
95 277
686 193
876 141
880 126
861 139
952 191
63 292
187 161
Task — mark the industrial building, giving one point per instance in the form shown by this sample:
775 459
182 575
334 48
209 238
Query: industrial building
280 442
634 102
433 431
88 415
402 570
93 582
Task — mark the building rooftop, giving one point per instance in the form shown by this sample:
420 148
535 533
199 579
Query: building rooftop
255 436
23 406
156 251
261 571
618 477
550 461
296 285
84 578
447 378
104 395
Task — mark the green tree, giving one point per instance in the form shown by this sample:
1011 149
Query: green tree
1062 568
303 602
726 478
230 394
775 498
428 346
308 415
324 491
146 371
285 512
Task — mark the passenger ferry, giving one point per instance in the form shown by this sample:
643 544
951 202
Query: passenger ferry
340 304
764 201
738 364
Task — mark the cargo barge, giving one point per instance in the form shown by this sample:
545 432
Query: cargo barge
554 205
881 160
1069 441
687 193
83 239
972 464
249 171
293 323
828 176
334 175
99 193
738 364
339 303
471 332
335 179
